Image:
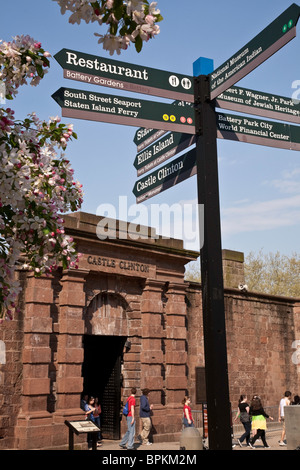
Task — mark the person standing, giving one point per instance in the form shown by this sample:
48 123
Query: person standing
97 412
145 413
128 437
89 409
243 414
259 423
296 400
188 420
285 401
83 401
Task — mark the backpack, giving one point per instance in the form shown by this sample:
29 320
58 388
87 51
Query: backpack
125 409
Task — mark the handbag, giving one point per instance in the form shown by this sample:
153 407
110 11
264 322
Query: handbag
244 417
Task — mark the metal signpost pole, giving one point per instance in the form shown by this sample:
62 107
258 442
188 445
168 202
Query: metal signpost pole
216 372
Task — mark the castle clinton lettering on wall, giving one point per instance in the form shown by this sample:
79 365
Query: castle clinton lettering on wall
122 264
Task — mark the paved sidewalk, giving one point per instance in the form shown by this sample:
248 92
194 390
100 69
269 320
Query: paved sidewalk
272 439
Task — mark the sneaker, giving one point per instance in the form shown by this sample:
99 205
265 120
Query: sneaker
250 445
267 446
282 443
123 447
149 443
239 443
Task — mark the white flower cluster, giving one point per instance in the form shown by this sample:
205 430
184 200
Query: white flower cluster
36 188
128 20
22 59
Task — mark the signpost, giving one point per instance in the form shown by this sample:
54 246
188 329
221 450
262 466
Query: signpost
215 349
207 87
257 131
101 71
259 49
162 150
248 101
100 107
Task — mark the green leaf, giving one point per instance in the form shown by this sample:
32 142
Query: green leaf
113 29
138 43
39 70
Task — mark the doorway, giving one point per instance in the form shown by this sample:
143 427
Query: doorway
101 371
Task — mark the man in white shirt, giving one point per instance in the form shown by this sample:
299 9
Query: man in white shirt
285 401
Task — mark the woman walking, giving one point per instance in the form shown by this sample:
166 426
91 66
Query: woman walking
259 423
243 414
188 420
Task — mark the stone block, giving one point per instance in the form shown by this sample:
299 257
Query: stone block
70 385
36 355
38 324
176 383
151 357
70 355
39 386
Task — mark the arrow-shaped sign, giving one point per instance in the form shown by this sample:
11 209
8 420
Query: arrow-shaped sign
100 107
166 176
260 103
101 71
144 137
162 150
258 131
259 49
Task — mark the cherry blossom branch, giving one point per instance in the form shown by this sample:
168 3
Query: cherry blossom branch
36 181
129 21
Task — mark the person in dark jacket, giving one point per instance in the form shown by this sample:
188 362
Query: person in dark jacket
259 423
145 415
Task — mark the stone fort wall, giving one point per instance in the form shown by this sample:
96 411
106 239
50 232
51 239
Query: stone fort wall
136 290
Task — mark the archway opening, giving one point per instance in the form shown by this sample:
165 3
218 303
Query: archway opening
102 378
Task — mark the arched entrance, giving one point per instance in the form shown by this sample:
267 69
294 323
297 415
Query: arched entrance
106 331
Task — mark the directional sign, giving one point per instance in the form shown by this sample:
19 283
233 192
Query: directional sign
260 103
257 131
162 150
101 71
144 137
92 106
265 44
165 177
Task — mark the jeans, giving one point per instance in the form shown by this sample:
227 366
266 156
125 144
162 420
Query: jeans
247 432
186 423
97 422
129 435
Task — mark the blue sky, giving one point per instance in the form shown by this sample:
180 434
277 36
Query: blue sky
259 186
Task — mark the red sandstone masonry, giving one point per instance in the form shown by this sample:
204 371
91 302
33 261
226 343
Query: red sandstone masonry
260 331
160 315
